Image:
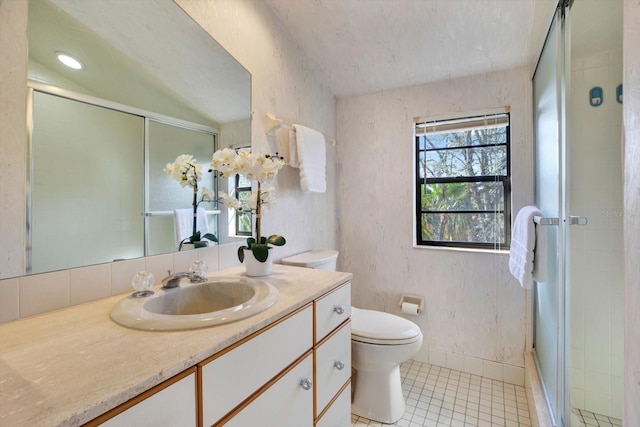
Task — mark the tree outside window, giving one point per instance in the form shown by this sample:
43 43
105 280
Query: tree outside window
463 182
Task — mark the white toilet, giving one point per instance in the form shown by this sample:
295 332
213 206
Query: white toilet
380 342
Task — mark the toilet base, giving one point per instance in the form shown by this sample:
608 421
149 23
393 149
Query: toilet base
378 395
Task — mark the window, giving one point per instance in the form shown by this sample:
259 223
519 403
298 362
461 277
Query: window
242 192
463 182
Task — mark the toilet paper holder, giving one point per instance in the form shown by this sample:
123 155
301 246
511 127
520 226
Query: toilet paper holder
412 299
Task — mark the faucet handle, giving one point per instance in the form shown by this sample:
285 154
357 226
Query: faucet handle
199 268
142 282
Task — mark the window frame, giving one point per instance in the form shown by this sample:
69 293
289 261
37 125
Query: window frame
504 179
237 190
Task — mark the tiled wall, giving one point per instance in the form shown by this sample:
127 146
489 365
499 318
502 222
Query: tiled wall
631 43
472 365
596 250
39 293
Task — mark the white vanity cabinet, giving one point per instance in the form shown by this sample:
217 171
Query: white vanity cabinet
332 351
313 349
170 404
235 376
295 372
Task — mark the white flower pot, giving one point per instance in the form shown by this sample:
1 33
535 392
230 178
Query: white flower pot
255 268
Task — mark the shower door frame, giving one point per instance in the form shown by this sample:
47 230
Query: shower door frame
560 409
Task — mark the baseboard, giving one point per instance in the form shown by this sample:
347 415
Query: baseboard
473 365
538 406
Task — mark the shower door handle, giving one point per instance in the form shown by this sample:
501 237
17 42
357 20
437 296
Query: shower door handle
578 220
540 220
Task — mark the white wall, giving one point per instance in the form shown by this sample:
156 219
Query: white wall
474 308
631 108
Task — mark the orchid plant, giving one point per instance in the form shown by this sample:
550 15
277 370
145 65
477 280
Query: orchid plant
186 170
260 168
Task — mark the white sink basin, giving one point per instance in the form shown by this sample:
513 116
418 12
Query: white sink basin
196 305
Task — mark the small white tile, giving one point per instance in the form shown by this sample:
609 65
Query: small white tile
41 293
473 365
159 266
228 255
210 256
122 273
513 375
492 370
182 260
9 300
455 361
596 60
89 283
437 357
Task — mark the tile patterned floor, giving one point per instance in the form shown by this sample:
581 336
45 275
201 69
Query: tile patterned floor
439 397
589 419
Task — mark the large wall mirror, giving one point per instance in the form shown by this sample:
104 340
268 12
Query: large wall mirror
153 85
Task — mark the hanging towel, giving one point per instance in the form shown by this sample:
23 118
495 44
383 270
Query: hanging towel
311 158
523 246
286 143
183 223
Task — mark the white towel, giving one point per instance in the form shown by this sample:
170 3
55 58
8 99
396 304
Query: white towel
522 255
312 158
183 223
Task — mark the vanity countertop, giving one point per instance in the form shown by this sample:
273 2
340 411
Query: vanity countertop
68 366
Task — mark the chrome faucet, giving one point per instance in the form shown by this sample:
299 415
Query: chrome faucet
173 280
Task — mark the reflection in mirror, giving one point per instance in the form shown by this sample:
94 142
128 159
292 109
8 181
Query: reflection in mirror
147 56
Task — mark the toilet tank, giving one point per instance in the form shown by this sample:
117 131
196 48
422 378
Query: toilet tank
320 260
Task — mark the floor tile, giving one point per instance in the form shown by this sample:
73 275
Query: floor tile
442 397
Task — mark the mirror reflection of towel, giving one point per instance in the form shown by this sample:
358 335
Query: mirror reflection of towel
183 223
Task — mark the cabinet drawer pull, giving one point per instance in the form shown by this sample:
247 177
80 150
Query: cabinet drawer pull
339 365
338 309
306 384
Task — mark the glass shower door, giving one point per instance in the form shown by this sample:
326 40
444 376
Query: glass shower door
548 88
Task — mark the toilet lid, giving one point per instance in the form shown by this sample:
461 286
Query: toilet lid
377 327
311 258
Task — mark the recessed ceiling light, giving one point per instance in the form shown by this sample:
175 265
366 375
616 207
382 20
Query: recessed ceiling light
69 61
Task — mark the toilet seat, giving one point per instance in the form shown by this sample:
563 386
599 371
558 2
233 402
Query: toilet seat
377 327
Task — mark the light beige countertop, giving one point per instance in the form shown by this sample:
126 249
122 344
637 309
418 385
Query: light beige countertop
69 366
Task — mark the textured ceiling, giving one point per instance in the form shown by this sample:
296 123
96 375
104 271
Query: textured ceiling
365 46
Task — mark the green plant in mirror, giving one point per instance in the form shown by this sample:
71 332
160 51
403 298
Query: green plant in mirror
186 170
260 168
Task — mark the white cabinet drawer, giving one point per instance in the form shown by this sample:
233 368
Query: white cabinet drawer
285 404
332 309
231 378
339 413
173 406
333 365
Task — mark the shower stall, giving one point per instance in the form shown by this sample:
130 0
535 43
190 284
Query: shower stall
578 326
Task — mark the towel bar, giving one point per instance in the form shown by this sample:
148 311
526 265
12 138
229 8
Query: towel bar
272 122
545 221
169 213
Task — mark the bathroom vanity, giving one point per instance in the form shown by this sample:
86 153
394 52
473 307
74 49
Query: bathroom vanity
289 365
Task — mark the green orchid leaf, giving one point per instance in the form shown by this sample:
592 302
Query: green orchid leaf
250 241
263 240
276 240
241 253
195 237
261 252
210 237
200 244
